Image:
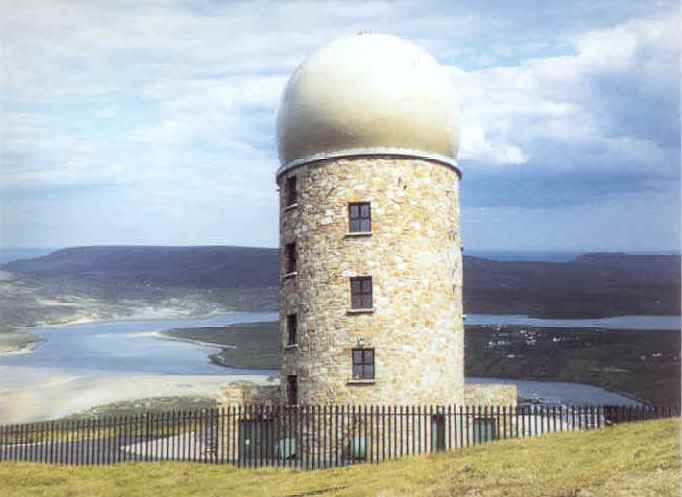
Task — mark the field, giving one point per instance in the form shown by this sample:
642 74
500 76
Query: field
633 459
249 346
644 364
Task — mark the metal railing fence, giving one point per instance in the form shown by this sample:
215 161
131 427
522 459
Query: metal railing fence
308 437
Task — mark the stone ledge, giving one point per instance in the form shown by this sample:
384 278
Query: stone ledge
288 276
293 346
360 382
369 310
358 234
290 207
490 394
235 395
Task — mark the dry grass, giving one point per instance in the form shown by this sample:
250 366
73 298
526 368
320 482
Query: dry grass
630 460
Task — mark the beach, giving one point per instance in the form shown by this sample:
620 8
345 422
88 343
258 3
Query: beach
76 367
40 395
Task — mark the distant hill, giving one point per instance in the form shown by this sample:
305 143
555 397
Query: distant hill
186 267
592 285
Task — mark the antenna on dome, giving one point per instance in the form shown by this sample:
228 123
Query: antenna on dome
363 32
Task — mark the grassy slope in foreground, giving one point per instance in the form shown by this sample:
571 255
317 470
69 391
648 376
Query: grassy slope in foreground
635 459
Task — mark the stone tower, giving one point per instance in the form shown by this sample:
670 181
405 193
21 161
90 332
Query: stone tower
371 265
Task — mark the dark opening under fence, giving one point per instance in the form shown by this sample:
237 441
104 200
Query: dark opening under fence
309 437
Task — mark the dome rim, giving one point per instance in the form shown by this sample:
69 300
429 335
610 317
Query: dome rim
405 153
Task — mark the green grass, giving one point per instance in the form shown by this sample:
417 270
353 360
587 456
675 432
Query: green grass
257 344
609 358
628 460
75 430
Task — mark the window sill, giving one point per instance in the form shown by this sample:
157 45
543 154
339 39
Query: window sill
358 234
290 207
369 310
288 276
361 382
293 346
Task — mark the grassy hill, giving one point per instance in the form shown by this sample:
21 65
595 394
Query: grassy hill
644 364
591 286
635 459
186 267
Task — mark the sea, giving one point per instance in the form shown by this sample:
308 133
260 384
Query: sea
551 256
108 349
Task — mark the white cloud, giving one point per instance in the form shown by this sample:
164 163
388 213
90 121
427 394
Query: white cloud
523 115
174 103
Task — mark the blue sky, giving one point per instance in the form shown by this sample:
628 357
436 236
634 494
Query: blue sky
153 122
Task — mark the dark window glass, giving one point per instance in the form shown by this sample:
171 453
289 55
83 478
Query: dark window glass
359 217
361 292
363 364
292 390
291 190
291 257
292 326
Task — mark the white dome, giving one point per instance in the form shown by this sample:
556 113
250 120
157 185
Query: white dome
367 94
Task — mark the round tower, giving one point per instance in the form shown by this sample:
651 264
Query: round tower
371 266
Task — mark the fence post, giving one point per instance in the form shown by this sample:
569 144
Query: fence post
449 427
238 455
374 433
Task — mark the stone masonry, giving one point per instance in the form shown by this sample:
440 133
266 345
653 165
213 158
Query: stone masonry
413 255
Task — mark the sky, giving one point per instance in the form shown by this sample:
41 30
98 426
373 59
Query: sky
153 123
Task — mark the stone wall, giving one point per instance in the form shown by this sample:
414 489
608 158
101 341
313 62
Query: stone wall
261 395
257 425
414 258
486 394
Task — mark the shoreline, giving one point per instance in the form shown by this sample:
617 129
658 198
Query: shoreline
221 361
545 380
162 334
21 349
214 358
179 315
168 317
62 393
91 392
18 341
246 346
569 317
29 347
34 394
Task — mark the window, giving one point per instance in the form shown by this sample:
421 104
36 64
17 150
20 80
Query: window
361 292
292 389
292 325
359 217
363 364
291 257
291 191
